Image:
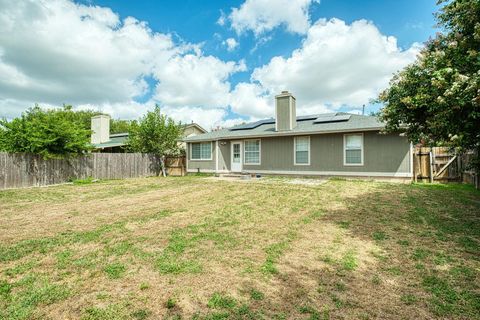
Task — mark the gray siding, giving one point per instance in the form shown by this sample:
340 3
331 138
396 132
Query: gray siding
224 155
200 164
382 153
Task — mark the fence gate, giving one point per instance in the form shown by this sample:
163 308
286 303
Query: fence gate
437 164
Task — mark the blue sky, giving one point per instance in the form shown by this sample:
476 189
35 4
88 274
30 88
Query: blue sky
196 21
230 84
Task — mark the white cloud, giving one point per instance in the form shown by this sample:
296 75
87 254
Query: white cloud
261 16
64 52
193 80
207 118
338 64
119 110
251 99
11 108
231 44
55 52
222 19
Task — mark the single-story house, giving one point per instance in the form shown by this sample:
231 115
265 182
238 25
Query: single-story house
104 141
331 144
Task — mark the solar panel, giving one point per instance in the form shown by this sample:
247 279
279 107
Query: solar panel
333 118
319 118
304 118
342 117
253 125
326 115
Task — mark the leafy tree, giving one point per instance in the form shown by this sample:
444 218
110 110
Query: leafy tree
436 99
157 134
50 133
120 126
82 116
85 117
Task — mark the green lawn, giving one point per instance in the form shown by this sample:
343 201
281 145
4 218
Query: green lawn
200 248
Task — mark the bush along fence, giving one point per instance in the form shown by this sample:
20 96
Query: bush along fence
20 170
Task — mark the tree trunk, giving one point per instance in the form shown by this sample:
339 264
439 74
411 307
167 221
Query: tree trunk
477 169
162 163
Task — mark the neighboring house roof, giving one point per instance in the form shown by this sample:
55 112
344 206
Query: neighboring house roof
116 140
120 139
196 126
313 124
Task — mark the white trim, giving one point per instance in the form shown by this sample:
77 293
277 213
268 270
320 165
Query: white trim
211 151
411 159
187 155
345 153
241 154
285 134
259 153
335 173
295 151
216 155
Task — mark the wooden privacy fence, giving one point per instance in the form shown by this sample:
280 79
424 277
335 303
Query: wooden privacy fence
26 170
176 166
469 175
440 164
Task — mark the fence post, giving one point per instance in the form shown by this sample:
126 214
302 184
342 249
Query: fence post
415 164
430 156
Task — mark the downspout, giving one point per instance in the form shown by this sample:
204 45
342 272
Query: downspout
187 154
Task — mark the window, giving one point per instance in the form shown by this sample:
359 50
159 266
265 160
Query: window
302 150
252 152
201 151
353 149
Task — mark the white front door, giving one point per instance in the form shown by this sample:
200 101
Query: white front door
236 156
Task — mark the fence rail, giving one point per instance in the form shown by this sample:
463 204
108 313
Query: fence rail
21 170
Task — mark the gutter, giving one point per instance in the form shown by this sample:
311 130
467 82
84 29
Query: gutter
284 134
109 146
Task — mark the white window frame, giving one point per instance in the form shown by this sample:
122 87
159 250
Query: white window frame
295 151
345 150
201 159
259 152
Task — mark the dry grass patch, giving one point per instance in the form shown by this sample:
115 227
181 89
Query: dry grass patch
200 248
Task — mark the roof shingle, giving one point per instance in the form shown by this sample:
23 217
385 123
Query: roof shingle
305 125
